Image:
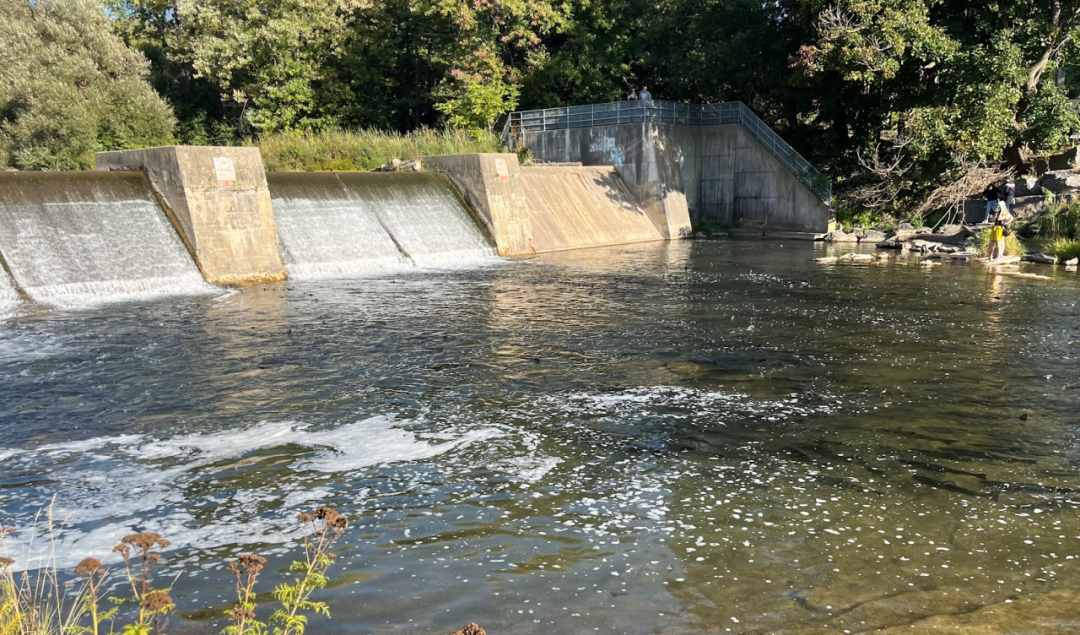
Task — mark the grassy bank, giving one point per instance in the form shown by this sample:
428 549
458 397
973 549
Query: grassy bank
1057 230
365 149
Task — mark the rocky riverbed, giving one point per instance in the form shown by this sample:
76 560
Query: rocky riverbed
947 241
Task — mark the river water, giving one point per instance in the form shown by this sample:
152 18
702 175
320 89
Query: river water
694 437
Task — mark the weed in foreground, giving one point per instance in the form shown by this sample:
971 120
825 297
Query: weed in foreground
321 530
38 601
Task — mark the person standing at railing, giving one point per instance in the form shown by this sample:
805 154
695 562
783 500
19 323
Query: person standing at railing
633 95
645 95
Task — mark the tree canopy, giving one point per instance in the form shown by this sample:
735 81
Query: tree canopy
70 87
905 92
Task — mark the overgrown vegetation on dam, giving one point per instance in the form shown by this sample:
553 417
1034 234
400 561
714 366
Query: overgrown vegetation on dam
893 98
334 149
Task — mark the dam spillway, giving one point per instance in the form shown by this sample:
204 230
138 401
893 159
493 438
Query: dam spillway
424 215
72 239
9 298
324 230
169 220
340 225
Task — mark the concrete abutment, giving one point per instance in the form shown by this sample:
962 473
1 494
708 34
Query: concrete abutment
218 200
714 173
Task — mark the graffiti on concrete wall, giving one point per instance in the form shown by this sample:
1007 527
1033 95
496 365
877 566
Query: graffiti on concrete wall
609 149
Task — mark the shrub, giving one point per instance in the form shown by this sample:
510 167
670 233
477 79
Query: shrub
1065 249
69 87
1059 221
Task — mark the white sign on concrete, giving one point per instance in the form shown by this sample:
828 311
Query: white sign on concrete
502 170
226 171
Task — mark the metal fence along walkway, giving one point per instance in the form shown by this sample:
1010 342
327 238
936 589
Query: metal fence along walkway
671 112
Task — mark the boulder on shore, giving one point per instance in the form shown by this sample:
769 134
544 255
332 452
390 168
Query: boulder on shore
872 236
1061 181
841 236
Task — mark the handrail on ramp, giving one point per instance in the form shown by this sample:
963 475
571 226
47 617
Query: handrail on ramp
653 111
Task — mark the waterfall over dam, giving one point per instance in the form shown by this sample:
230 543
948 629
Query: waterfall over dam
9 298
72 239
334 225
325 232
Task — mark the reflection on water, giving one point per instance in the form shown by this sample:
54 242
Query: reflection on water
686 438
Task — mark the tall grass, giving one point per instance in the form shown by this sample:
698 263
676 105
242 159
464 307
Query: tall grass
1059 221
348 150
1064 248
38 602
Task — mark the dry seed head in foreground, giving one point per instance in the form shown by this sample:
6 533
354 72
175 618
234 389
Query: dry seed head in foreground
156 601
88 567
241 615
470 629
5 562
332 517
146 541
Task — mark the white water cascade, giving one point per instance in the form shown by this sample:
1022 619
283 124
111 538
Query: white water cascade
78 239
337 225
425 216
9 298
325 233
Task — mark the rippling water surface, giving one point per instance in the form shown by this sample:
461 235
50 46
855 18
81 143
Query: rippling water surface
685 438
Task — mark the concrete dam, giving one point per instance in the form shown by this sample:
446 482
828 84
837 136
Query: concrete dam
178 220
706 162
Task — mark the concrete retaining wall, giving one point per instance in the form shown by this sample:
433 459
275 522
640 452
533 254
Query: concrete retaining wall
574 207
492 186
709 173
218 199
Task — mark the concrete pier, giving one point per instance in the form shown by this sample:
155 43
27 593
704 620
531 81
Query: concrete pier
531 210
491 184
218 200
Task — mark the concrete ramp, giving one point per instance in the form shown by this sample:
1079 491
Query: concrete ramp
575 207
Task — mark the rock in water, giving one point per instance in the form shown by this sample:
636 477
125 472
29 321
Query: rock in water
872 236
841 236
1073 262
470 629
1044 259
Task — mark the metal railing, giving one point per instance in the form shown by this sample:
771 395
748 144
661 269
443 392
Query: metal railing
620 112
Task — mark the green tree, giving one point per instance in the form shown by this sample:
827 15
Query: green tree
501 42
69 87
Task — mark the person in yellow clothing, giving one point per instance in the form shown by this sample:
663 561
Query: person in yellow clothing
997 241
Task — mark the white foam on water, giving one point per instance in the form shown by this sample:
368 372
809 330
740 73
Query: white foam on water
123 484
